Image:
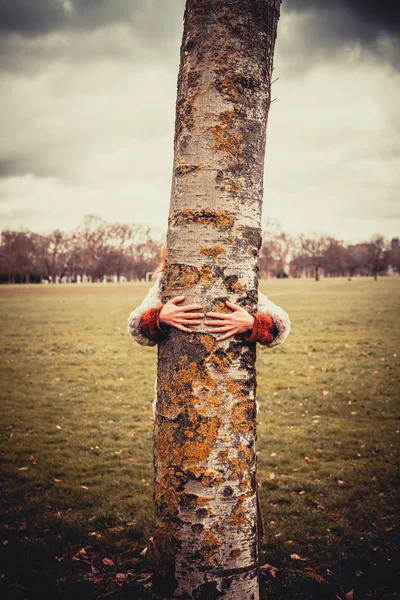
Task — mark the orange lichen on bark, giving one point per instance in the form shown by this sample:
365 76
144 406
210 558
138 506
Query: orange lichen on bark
239 514
235 187
227 140
208 341
221 219
239 415
185 276
213 251
236 288
181 276
211 544
220 362
221 307
193 452
223 455
207 277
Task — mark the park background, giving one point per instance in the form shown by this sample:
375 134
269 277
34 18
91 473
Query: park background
85 170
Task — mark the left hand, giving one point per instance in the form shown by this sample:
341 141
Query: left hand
232 323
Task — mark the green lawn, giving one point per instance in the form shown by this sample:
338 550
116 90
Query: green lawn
76 443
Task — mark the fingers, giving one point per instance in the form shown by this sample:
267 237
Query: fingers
233 305
189 322
220 329
218 315
175 300
191 307
215 322
226 336
182 328
192 315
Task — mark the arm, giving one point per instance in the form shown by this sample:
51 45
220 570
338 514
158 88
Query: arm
268 309
146 313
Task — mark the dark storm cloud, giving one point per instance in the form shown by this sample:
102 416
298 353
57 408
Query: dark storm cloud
370 17
30 18
36 32
329 25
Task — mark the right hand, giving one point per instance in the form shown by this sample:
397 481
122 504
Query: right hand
179 316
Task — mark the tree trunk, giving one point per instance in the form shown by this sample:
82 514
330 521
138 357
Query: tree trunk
205 427
316 273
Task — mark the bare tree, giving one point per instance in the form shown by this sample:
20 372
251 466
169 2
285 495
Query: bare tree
378 256
314 248
275 250
205 429
334 258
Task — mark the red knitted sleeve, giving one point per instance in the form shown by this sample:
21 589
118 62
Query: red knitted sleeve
263 330
150 325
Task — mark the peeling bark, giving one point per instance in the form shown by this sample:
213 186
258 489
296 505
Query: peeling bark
205 428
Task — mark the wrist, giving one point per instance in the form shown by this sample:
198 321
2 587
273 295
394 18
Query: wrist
161 316
251 322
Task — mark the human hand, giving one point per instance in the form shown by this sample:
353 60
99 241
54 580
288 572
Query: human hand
232 323
179 316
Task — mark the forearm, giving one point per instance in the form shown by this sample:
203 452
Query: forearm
264 329
151 326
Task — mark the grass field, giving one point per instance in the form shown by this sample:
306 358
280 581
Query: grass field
76 443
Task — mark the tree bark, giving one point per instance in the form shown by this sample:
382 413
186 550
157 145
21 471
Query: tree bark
205 428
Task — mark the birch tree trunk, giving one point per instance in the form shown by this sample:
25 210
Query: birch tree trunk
205 429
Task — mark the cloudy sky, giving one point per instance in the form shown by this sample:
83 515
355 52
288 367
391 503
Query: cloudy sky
88 105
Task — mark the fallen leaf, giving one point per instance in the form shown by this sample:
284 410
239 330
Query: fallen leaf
297 557
107 562
315 576
134 545
142 577
350 595
308 460
81 554
268 570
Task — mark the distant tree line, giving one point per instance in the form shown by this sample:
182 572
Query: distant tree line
282 255
96 251
99 251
